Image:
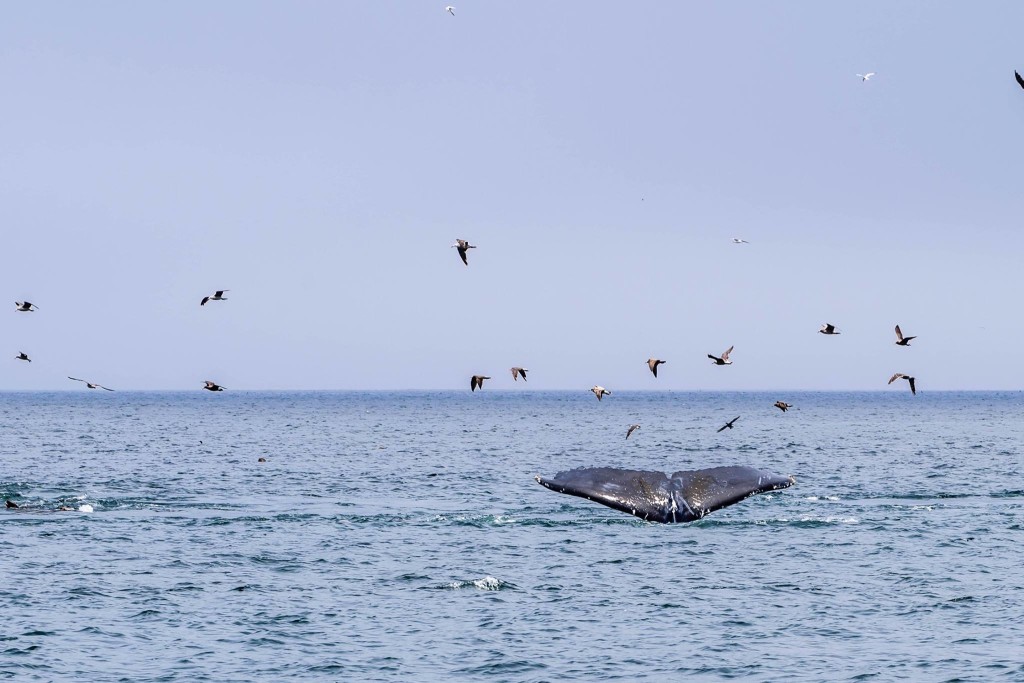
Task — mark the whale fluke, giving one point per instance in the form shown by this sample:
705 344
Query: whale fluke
657 497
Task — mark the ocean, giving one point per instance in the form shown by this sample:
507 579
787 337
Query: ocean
400 536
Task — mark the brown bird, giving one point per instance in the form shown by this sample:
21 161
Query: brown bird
22 356
829 328
462 246
516 372
900 339
783 406
477 381
25 306
91 385
632 428
724 360
212 386
217 296
900 375
11 504
653 364
600 392
729 424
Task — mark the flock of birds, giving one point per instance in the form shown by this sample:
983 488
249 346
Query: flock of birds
477 381
29 307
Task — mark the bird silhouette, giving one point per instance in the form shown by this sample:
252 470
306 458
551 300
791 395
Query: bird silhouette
729 424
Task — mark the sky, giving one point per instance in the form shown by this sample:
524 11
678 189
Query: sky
318 159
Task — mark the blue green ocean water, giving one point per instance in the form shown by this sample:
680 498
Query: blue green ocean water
401 537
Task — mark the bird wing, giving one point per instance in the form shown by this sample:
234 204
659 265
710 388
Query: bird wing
899 334
907 339
895 377
76 379
472 383
522 371
462 253
913 388
725 356
632 428
1020 80
723 427
203 302
103 387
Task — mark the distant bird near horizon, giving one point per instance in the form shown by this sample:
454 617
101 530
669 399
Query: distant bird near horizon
724 360
729 424
739 240
477 381
217 296
212 386
516 372
632 428
900 375
450 10
1020 81
600 391
91 385
900 339
783 406
23 356
866 77
653 364
463 246
25 306
829 328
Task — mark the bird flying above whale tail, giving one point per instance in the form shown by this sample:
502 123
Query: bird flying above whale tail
658 497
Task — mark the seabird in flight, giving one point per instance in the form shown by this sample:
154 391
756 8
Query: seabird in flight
217 296
632 428
23 356
25 306
783 406
212 386
517 372
729 424
829 328
477 381
91 385
462 246
653 364
867 76
724 360
900 339
900 375
600 392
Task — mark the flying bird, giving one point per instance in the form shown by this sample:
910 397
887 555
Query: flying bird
724 360
739 240
653 364
25 306
867 76
477 381
632 428
212 386
1020 81
91 385
783 406
517 372
450 10
463 246
600 391
829 328
217 296
900 339
900 375
23 356
729 424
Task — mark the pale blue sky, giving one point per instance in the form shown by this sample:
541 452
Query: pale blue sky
318 159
